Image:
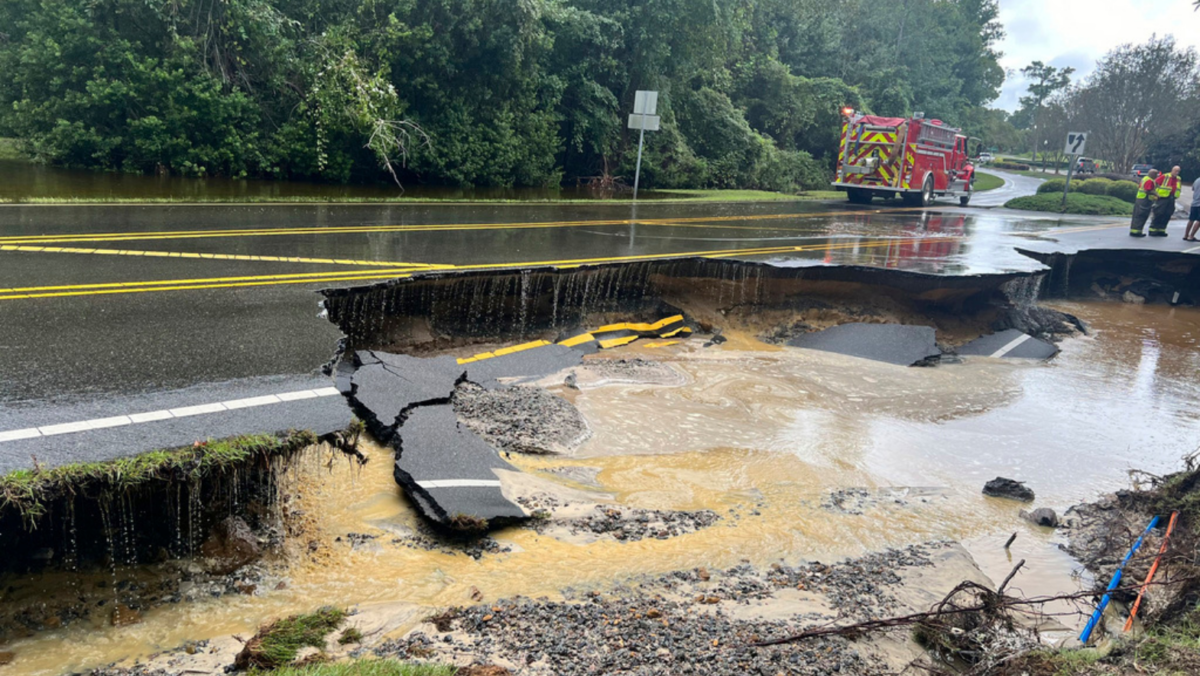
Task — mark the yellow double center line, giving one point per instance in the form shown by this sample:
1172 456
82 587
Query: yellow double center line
18 293
698 222
213 256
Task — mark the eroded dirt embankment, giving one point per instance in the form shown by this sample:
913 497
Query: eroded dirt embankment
444 312
1131 276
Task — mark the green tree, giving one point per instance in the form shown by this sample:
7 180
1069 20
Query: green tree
1045 82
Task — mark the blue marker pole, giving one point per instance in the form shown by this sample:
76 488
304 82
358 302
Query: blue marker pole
1116 580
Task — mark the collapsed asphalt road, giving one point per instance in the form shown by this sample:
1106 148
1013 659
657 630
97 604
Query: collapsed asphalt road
444 467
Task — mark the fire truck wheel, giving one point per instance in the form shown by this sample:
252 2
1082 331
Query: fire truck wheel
927 191
966 199
859 196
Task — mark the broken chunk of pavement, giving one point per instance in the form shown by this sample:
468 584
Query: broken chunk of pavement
1042 516
448 470
535 363
1010 344
899 344
1008 488
385 385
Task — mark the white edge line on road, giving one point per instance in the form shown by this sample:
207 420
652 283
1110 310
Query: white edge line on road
15 435
297 396
202 409
459 483
235 404
155 416
1016 342
152 416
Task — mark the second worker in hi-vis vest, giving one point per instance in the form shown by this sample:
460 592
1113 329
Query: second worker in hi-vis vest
1169 186
1147 195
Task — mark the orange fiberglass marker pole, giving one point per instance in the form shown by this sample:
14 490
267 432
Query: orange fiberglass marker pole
1153 570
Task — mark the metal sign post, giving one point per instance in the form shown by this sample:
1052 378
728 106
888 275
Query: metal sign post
1076 144
645 105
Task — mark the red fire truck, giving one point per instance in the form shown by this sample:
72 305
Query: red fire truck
915 158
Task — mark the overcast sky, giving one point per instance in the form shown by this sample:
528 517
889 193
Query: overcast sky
1078 32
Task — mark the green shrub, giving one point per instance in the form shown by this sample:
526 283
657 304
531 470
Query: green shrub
1056 185
1126 191
1095 186
1011 166
1092 205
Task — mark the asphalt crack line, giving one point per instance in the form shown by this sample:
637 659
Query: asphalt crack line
165 414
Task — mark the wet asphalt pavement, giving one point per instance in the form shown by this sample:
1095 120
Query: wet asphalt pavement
106 305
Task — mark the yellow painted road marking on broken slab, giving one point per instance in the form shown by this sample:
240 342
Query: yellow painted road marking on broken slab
640 327
503 351
668 343
617 342
577 340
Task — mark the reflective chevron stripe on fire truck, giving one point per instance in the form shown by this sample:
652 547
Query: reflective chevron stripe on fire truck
910 161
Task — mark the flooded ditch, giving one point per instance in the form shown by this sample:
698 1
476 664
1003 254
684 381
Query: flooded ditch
723 449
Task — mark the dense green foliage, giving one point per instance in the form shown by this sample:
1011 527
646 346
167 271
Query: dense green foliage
1055 186
1092 205
1095 186
1126 191
482 92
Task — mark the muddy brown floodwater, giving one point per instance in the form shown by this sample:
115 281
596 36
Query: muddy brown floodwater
804 455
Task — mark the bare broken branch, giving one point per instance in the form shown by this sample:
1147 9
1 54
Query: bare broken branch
941 610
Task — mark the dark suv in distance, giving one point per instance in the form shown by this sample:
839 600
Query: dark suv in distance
1140 170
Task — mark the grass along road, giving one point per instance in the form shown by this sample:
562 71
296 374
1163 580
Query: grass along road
985 181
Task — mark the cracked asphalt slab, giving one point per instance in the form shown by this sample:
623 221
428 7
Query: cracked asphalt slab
890 343
444 467
386 385
451 467
1009 344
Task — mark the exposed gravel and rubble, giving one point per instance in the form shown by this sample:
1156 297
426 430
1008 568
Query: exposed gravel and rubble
621 523
521 419
633 370
687 622
856 501
426 539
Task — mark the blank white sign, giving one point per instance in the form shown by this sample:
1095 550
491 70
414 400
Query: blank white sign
650 122
645 103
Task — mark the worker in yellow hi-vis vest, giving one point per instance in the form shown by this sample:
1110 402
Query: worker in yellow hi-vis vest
1147 195
1169 187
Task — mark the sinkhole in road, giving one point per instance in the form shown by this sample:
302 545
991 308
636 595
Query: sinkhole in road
699 453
